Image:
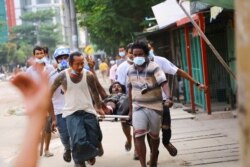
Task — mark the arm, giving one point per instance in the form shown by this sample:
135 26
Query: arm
36 99
61 78
91 81
166 90
193 81
101 90
130 101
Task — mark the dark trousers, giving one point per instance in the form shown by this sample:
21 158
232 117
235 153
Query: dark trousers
85 135
166 120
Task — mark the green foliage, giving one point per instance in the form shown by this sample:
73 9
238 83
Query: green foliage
12 54
38 26
111 23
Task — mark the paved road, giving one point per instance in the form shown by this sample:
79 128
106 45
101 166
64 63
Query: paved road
205 141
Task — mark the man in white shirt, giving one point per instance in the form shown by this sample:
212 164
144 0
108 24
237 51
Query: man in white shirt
61 56
41 65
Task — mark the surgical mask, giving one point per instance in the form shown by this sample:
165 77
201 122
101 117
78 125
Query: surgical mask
151 55
63 65
40 61
86 66
75 73
122 54
139 61
130 60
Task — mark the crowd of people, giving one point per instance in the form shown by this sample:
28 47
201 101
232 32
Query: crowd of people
69 97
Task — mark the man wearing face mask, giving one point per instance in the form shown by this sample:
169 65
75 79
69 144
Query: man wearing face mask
61 56
169 68
145 83
121 74
113 69
40 64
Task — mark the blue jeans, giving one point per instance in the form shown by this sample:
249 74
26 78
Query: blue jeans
85 135
63 131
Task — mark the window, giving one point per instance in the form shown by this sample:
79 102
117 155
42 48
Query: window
43 1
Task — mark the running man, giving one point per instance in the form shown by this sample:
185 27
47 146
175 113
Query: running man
41 65
61 56
79 86
145 81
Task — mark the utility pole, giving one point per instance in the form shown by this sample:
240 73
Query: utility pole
242 17
70 17
67 26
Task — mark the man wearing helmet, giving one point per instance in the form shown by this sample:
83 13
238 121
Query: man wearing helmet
61 56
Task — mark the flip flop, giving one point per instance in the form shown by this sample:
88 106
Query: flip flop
67 155
171 149
48 154
127 146
91 161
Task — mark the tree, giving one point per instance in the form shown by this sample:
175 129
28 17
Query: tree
111 23
37 28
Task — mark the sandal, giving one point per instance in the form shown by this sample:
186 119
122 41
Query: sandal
48 154
127 146
67 155
91 161
171 149
100 150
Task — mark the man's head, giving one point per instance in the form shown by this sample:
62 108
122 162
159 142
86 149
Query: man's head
129 53
38 52
116 87
122 51
140 52
61 56
76 61
46 51
151 50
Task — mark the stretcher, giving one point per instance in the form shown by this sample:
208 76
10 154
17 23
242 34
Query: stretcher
113 118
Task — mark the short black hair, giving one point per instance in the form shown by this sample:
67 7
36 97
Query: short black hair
141 45
72 55
46 49
129 46
122 86
37 48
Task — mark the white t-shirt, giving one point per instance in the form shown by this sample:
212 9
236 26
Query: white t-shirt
167 67
112 72
122 72
33 72
58 96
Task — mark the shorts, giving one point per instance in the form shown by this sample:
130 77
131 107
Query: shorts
145 121
48 125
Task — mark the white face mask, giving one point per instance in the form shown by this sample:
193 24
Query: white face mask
122 54
40 61
151 55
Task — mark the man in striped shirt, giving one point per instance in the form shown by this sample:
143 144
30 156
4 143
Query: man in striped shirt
145 82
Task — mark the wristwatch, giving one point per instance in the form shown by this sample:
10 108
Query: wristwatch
197 84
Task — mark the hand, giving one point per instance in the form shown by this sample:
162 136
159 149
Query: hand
53 126
100 112
91 62
203 87
107 109
169 103
36 95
